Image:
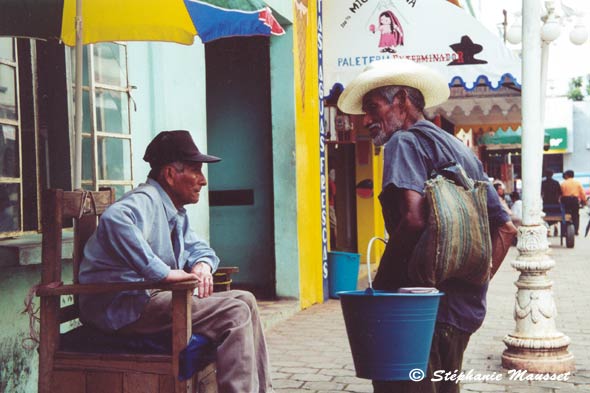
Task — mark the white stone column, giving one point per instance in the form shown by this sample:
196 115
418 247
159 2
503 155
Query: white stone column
535 345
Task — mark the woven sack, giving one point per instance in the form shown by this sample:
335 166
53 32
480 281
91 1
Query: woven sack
456 242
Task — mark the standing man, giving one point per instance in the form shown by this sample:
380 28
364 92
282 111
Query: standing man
551 195
392 95
499 187
145 236
572 196
550 189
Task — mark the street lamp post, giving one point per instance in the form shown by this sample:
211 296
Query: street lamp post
535 345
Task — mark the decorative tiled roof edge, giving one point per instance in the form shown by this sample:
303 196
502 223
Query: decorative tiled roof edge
337 88
494 85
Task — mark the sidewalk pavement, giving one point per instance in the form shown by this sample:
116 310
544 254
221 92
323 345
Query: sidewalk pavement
309 351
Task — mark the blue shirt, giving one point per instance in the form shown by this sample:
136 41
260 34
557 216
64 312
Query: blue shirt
407 165
134 242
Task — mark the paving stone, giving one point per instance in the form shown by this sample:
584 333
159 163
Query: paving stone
333 365
330 391
339 372
311 377
278 375
349 380
583 374
529 389
329 365
286 383
359 388
298 370
483 387
323 386
286 363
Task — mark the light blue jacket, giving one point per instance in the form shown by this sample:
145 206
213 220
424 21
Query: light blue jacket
133 243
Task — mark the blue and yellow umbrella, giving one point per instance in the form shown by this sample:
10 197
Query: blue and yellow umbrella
137 20
79 22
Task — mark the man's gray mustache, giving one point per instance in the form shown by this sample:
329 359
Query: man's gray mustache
374 128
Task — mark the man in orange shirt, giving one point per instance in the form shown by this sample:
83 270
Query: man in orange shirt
572 196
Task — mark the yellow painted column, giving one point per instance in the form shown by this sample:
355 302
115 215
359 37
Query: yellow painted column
369 219
307 155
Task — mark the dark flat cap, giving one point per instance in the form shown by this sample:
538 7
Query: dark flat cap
171 146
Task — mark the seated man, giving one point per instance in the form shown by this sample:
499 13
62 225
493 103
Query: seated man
145 236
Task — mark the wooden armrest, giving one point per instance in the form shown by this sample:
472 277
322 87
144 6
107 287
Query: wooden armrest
77 289
222 278
227 270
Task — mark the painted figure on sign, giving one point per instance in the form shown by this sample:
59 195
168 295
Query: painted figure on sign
392 34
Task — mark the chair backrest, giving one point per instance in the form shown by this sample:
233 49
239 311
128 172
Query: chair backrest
84 208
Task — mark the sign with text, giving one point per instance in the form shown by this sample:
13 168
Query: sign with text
433 32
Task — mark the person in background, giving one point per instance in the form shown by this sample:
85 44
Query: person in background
572 196
499 187
551 195
516 209
550 189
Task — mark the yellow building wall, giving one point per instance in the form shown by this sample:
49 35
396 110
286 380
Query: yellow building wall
368 210
307 154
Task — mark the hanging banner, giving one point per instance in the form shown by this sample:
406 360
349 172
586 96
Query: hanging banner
433 32
322 140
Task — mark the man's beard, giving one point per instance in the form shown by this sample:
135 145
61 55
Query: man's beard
378 135
381 138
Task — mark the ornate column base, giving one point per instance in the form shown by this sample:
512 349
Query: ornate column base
538 356
535 345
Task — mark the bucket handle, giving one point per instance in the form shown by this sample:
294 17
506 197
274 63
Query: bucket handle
369 258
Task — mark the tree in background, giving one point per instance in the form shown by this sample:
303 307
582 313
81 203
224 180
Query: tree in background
575 90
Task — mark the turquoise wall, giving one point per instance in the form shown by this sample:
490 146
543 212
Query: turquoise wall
18 366
282 10
170 95
284 165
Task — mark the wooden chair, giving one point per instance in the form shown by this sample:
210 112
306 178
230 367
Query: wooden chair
69 372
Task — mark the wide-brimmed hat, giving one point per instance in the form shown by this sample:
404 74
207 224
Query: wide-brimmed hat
171 146
394 72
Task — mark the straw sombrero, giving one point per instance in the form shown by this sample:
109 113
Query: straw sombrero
394 72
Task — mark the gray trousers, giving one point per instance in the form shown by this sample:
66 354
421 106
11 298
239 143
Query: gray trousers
228 318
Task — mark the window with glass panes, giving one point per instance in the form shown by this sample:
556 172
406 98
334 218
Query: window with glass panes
106 131
10 174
